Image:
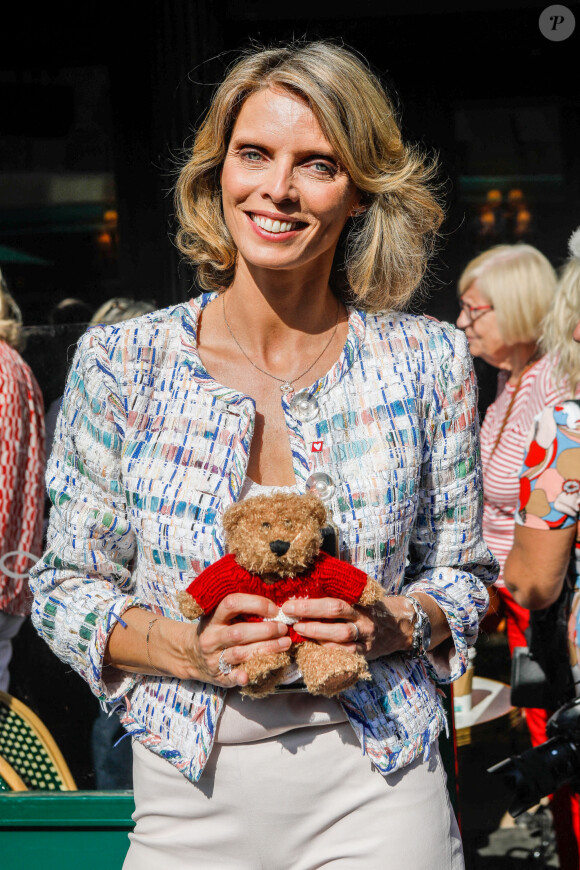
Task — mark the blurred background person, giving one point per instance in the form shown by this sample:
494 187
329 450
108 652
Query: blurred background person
21 478
547 533
505 293
68 320
70 310
120 308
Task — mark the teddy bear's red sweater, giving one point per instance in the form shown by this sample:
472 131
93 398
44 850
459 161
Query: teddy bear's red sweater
326 577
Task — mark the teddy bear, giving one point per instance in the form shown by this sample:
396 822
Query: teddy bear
273 547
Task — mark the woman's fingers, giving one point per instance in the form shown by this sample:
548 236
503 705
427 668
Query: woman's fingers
226 627
329 632
237 655
239 603
319 608
225 640
331 621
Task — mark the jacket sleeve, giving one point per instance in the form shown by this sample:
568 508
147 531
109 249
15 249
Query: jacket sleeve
82 585
448 558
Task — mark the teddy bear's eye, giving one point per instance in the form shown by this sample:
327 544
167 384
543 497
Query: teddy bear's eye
288 523
265 525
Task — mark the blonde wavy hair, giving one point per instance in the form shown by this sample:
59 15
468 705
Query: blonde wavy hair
10 318
559 325
519 282
388 247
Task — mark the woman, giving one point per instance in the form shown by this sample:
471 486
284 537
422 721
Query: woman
547 533
504 295
21 482
272 382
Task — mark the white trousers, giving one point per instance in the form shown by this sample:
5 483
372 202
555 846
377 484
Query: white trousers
306 799
9 628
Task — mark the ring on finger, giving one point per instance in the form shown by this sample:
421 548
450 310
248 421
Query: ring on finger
224 667
357 634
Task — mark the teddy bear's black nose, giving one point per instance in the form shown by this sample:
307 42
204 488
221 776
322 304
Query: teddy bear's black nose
279 547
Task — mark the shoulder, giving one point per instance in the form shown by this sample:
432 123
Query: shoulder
563 415
432 340
140 330
554 429
543 384
144 339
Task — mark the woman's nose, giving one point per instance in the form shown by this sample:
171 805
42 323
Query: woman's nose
463 320
279 181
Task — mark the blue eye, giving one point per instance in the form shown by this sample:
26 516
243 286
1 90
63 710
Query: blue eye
252 156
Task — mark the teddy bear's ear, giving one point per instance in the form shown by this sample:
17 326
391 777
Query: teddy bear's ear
232 516
316 508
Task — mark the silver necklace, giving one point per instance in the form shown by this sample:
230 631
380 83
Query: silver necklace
286 384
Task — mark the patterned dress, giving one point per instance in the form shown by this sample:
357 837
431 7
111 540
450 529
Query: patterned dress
550 493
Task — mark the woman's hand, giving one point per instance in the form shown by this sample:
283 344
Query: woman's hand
220 642
145 643
379 630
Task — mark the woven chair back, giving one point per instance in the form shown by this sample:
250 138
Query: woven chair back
30 750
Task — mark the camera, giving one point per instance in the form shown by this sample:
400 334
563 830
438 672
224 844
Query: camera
541 770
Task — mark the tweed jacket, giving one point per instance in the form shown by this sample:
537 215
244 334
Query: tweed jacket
150 450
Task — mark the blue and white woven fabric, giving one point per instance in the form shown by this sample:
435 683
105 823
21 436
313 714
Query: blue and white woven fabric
149 451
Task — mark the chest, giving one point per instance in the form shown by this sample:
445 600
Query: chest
360 445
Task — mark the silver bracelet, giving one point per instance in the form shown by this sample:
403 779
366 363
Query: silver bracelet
421 628
149 627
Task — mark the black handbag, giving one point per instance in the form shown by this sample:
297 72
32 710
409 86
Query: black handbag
541 675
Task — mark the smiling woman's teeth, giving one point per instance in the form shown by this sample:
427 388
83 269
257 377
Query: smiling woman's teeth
273 226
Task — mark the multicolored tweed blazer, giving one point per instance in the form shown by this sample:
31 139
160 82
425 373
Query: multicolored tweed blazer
149 451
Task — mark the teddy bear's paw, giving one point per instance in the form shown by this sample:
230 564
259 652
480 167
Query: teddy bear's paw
188 605
265 672
330 670
372 593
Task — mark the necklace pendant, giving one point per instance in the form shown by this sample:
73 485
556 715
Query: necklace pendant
287 388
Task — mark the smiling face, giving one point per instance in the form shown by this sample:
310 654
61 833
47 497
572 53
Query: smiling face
285 195
483 333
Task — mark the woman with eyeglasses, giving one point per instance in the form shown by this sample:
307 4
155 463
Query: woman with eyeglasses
547 533
504 295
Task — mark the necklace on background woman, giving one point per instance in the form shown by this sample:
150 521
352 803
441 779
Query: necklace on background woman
531 362
286 384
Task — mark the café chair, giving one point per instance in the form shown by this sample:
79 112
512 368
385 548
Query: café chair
9 779
29 751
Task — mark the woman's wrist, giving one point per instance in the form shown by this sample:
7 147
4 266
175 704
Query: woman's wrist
403 615
395 620
148 643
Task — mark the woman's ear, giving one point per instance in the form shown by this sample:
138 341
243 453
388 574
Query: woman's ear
358 209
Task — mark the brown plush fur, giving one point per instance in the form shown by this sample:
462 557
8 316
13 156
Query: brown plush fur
250 526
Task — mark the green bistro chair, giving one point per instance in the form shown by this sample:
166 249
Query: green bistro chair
9 779
28 751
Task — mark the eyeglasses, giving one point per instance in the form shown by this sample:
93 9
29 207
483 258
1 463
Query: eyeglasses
474 312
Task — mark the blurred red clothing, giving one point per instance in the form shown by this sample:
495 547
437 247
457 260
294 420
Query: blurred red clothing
21 479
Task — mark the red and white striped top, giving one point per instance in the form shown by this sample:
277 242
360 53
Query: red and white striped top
21 479
501 470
